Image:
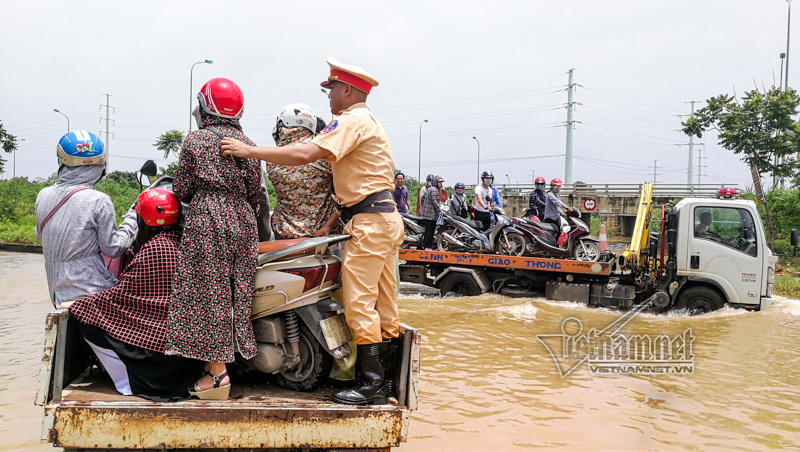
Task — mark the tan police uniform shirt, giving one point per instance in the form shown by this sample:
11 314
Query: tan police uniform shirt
364 163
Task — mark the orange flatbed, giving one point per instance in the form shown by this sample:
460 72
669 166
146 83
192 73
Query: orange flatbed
507 262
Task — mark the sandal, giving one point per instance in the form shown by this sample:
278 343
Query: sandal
216 392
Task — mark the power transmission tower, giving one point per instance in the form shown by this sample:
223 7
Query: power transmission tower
700 165
108 121
570 126
655 171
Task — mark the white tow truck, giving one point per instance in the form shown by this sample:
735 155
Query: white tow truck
684 264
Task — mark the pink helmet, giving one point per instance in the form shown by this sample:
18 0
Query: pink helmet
221 97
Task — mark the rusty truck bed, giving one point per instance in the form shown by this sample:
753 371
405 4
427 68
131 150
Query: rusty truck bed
88 413
92 414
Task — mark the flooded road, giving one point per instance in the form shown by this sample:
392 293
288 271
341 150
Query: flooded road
487 383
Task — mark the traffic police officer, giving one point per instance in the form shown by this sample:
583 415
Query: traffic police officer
363 175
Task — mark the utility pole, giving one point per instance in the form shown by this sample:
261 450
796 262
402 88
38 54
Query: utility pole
570 125
788 31
533 177
691 155
655 169
108 106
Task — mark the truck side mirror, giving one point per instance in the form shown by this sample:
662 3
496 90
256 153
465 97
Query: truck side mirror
793 239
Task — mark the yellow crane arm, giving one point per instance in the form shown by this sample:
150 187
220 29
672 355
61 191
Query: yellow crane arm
641 232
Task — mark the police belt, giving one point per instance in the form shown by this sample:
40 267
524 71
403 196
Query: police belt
372 203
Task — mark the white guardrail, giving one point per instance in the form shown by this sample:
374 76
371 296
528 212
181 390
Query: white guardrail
661 190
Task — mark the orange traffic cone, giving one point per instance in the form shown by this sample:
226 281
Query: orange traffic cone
603 238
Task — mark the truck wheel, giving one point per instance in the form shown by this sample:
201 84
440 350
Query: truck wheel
517 244
315 364
445 245
699 300
461 284
586 250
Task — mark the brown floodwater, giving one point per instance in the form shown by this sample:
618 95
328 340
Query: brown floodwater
487 383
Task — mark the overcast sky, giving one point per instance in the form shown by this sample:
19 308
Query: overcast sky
493 70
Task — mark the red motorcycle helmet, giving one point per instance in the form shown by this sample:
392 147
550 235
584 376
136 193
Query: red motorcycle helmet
727 193
221 97
158 207
556 182
539 180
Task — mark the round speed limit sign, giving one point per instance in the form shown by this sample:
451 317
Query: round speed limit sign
589 204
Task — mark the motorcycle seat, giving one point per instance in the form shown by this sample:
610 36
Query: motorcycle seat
472 223
277 245
548 227
412 217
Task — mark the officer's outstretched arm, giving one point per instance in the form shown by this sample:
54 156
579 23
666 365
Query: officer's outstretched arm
297 155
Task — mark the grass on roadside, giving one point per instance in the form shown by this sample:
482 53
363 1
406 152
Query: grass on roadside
787 286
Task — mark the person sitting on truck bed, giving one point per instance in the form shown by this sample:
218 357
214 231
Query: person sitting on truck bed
125 325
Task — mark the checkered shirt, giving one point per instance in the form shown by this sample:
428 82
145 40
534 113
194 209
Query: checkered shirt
135 310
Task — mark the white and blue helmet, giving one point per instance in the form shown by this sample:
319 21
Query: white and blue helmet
79 147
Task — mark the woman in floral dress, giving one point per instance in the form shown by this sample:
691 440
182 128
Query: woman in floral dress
209 318
305 207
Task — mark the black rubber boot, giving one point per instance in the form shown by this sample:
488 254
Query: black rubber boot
388 349
371 389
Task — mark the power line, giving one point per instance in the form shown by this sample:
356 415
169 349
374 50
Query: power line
630 141
628 108
629 124
631 133
675 112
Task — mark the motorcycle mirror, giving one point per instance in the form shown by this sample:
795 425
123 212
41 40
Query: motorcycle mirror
149 168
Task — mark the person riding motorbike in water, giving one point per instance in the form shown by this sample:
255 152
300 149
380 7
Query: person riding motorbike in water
76 223
552 210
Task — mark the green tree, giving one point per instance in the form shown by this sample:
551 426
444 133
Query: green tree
170 141
9 144
127 178
170 169
760 128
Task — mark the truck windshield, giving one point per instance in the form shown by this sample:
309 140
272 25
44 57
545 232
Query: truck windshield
732 227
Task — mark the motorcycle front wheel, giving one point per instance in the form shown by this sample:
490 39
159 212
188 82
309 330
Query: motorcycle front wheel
315 364
586 250
513 244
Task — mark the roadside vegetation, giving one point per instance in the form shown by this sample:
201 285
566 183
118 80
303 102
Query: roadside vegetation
17 218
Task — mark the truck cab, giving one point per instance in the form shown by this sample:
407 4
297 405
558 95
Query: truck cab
720 254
